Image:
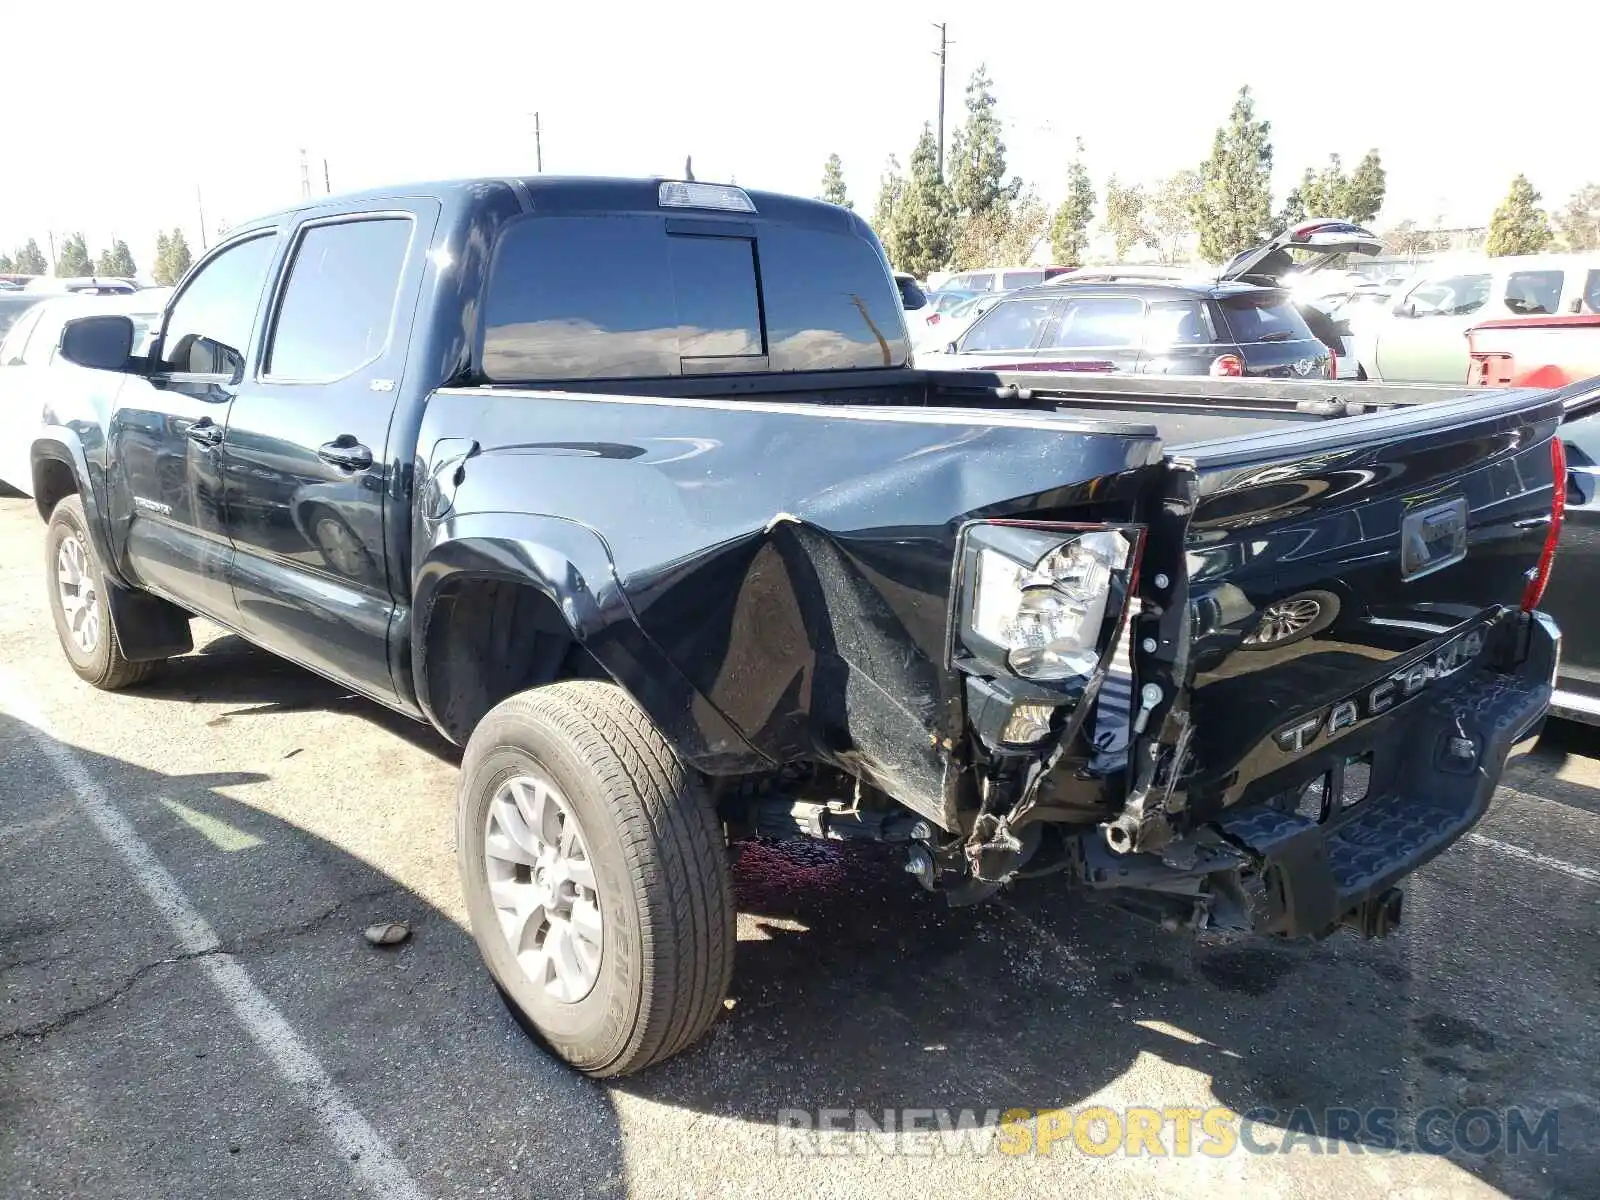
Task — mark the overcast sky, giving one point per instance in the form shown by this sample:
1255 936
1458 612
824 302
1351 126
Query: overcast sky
119 112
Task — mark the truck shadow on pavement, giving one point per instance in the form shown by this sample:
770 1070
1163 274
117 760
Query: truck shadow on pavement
229 670
855 990
123 1071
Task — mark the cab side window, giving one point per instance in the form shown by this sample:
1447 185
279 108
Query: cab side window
1012 325
15 345
1534 293
1451 297
338 303
208 326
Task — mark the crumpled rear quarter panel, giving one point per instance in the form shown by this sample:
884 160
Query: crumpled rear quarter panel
794 561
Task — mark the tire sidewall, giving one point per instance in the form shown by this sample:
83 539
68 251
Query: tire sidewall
68 520
595 1030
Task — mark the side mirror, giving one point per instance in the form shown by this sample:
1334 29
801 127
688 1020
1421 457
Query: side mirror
1405 309
950 348
195 354
103 343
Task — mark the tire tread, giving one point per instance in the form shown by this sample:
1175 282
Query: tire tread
672 839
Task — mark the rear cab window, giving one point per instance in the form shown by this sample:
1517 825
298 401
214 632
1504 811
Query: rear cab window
1591 292
1264 316
641 296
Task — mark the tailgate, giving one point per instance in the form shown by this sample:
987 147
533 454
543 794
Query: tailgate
1336 570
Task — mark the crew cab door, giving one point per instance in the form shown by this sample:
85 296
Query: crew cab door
315 498
165 432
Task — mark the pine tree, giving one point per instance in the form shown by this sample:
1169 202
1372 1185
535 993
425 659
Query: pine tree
891 188
182 260
30 260
922 226
74 259
1295 209
1069 232
117 261
1125 220
978 185
833 183
1234 208
1363 195
1172 214
172 258
1579 222
160 271
8 265
1519 225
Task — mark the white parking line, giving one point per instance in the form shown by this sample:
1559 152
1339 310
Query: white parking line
1587 874
368 1155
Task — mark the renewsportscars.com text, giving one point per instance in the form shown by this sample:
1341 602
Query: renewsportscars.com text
1168 1132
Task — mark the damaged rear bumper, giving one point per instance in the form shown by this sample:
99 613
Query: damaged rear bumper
1276 871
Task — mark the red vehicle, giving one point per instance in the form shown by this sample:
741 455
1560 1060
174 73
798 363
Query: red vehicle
1540 352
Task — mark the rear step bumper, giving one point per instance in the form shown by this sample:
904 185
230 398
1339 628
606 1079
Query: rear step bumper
1313 877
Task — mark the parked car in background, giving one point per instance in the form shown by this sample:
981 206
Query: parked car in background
1000 279
1541 352
939 328
1422 338
1157 327
94 285
33 374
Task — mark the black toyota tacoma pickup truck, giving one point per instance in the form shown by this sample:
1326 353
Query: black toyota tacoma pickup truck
630 488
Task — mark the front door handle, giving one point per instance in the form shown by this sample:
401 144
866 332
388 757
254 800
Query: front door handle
344 451
205 432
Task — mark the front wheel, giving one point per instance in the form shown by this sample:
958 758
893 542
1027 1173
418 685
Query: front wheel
596 877
78 603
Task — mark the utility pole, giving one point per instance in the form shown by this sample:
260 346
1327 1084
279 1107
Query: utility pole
538 145
200 204
327 185
50 235
305 177
944 43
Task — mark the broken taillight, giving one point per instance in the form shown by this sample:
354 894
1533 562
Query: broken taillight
1229 366
1540 576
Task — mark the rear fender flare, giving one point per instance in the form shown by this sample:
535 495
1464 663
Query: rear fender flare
571 566
61 444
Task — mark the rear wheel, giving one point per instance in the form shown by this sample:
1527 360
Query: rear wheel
1292 619
596 877
78 603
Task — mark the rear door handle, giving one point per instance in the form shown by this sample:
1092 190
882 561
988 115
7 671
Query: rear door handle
344 451
205 432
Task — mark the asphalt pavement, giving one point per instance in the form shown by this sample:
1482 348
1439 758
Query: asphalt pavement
188 1006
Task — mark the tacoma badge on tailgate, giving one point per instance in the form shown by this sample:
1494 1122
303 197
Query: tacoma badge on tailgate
1460 651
